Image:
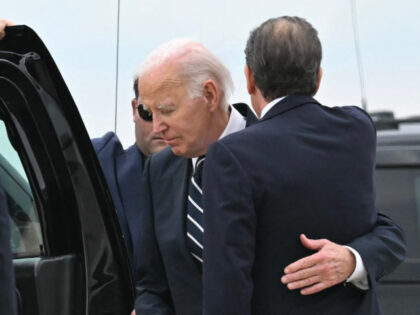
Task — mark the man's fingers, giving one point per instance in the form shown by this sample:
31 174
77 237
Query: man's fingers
302 263
317 287
3 24
331 265
312 244
303 283
301 274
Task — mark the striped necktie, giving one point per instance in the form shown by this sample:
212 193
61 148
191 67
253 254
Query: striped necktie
195 228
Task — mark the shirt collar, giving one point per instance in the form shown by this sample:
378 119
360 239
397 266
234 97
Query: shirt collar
236 122
270 106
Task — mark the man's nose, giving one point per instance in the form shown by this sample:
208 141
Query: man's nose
159 125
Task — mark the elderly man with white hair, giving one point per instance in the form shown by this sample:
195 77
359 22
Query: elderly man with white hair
186 89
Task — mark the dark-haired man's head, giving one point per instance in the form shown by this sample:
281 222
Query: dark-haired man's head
283 57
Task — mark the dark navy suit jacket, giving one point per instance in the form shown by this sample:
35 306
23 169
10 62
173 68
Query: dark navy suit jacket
168 279
123 171
304 168
7 279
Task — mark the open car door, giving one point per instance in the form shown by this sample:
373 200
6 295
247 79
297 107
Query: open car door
69 251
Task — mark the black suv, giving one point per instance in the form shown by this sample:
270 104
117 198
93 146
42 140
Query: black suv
398 196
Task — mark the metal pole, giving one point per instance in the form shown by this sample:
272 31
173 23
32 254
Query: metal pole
358 55
117 67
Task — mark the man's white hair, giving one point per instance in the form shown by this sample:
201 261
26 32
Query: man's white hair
197 65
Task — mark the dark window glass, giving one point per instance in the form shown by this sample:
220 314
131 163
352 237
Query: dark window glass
26 238
398 196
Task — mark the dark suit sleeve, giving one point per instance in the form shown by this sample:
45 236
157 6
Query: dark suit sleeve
382 250
229 237
152 290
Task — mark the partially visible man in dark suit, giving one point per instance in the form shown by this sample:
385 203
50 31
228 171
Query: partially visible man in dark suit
186 88
123 169
303 168
7 276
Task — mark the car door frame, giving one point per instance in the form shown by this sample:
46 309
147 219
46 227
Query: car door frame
82 239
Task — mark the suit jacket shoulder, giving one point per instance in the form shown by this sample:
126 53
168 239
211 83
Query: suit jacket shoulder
107 139
303 112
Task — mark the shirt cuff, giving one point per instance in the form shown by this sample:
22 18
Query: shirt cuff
359 276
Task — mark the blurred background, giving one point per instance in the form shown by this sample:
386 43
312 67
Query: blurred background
98 45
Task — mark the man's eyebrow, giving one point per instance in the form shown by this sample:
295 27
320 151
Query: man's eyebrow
165 106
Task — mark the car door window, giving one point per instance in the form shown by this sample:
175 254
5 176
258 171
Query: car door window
26 237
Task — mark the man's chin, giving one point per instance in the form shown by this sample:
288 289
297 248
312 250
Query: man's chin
183 152
176 150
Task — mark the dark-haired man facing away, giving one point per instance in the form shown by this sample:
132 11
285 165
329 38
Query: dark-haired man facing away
303 168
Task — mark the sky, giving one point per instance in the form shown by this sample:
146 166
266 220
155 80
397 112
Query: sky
82 38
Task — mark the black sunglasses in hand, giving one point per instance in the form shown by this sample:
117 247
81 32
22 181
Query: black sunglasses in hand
144 114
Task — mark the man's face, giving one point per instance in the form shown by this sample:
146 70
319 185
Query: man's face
183 122
147 141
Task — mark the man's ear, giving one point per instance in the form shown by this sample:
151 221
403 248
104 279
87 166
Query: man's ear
133 106
250 83
318 82
210 93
